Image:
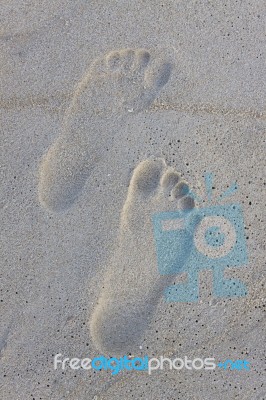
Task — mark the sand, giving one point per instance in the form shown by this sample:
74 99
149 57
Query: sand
109 115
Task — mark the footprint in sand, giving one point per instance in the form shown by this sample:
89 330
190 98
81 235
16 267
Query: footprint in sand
116 84
132 284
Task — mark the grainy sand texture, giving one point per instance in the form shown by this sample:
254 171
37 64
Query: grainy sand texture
111 113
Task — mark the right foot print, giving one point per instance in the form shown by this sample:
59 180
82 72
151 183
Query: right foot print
133 285
120 82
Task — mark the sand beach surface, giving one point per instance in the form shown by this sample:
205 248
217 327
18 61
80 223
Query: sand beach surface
112 112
